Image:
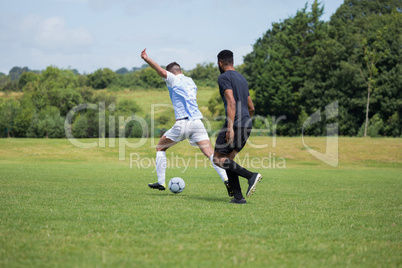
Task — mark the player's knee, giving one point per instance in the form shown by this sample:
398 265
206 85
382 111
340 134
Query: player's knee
160 148
216 161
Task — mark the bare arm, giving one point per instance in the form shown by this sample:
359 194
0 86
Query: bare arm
250 106
231 112
160 71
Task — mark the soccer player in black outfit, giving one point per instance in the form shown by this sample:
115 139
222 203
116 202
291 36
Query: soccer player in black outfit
233 136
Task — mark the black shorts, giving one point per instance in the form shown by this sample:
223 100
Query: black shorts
241 135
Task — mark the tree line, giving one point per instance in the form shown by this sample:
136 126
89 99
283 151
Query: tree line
143 77
299 66
302 64
49 95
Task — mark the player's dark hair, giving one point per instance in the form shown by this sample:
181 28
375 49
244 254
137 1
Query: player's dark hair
174 68
226 57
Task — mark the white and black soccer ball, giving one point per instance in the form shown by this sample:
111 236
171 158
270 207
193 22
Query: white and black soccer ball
176 185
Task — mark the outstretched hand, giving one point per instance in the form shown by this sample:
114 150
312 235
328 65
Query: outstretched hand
144 55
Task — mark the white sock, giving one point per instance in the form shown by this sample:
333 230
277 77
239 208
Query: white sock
221 172
161 166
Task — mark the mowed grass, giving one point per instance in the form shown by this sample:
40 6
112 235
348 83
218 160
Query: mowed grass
69 207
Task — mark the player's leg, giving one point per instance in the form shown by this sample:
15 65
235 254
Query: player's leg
226 162
206 148
196 133
233 178
225 153
163 144
243 135
235 185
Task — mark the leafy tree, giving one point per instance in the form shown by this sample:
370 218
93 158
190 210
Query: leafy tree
16 72
102 78
86 93
83 81
56 88
374 128
371 58
54 76
122 71
206 74
375 61
129 80
9 109
80 126
135 69
47 123
277 67
303 64
50 123
215 104
68 99
127 107
392 125
24 118
32 130
6 84
92 116
75 71
102 97
27 77
150 78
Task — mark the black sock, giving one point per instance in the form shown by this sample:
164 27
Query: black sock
234 184
236 168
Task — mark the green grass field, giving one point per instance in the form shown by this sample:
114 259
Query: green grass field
69 207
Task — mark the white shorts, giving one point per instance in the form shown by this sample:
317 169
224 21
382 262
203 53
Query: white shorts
194 131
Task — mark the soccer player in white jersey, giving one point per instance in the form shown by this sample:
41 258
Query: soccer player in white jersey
183 92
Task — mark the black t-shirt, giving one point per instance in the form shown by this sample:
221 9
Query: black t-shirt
236 82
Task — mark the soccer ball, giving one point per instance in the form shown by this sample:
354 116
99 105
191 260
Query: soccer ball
176 185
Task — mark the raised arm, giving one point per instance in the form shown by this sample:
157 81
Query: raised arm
159 70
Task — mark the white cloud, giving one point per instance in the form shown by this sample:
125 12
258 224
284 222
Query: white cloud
52 34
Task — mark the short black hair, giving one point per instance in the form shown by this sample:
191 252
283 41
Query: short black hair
226 57
173 67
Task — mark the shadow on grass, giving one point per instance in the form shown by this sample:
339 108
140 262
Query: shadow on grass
215 199
209 198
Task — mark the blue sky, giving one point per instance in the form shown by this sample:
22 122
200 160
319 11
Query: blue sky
90 34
